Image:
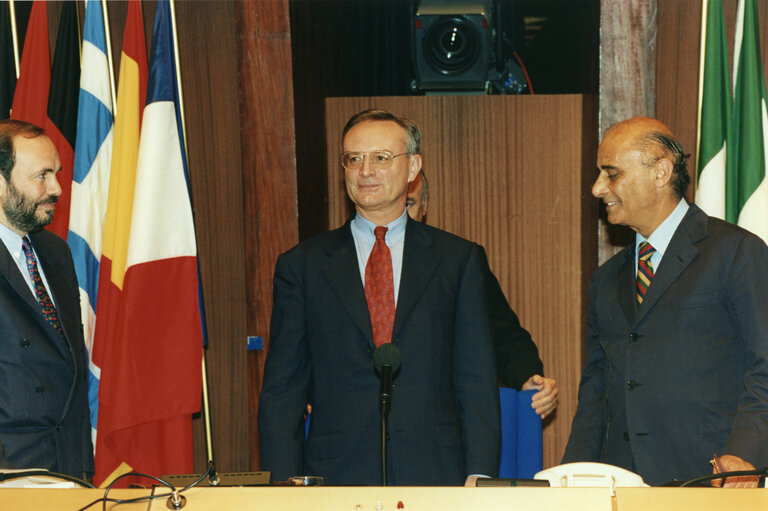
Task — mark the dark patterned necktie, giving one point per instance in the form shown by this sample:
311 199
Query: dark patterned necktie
49 311
380 289
644 269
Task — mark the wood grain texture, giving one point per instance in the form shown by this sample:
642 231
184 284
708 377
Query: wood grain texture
268 144
509 173
208 50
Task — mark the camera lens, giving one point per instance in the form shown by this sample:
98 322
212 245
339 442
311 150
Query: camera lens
451 45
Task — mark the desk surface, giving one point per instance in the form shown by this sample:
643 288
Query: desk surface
389 499
691 499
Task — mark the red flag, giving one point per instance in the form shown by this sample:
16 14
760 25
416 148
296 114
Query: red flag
30 101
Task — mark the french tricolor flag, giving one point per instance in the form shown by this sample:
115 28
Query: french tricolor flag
149 336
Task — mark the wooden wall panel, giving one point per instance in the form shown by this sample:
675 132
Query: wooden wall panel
509 173
268 169
208 50
677 72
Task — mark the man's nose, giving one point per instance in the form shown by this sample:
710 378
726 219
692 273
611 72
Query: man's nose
53 188
367 169
599 188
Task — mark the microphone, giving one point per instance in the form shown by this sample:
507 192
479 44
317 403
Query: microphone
386 362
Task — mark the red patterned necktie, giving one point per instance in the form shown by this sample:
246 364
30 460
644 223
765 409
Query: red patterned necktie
380 289
644 269
49 311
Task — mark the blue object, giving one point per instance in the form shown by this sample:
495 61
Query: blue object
255 343
521 443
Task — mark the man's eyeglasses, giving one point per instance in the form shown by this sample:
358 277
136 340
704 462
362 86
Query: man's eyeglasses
379 159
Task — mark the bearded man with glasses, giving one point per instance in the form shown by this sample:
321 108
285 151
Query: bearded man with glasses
443 422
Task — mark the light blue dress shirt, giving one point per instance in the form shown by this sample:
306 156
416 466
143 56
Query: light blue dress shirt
661 237
362 232
12 242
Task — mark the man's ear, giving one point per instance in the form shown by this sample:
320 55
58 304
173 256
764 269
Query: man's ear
663 169
415 167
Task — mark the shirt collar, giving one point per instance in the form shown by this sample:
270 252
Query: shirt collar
395 229
661 237
11 240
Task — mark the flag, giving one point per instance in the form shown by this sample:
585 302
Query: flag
30 99
148 330
131 96
93 153
34 101
715 113
746 186
62 109
7 66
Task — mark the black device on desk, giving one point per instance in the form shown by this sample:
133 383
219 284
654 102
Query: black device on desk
486 481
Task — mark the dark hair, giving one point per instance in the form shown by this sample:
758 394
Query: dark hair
671 149
10 128
412 132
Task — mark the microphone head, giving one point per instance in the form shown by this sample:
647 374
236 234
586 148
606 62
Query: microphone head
386 354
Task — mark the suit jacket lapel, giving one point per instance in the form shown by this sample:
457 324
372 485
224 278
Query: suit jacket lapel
627 291
10 271
680 253
342 272
420 261
57 287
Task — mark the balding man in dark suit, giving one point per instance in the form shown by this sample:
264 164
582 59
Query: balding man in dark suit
677 339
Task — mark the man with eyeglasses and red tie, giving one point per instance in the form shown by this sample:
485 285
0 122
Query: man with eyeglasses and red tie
381 278
43 365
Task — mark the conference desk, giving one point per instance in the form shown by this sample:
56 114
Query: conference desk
395 498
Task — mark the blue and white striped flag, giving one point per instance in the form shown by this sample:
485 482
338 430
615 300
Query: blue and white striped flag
90 184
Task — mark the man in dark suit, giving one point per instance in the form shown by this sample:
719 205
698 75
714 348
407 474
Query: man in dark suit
43 370
444 418
518 365
677 345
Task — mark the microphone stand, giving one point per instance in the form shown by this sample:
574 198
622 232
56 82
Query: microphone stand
383 448
385 398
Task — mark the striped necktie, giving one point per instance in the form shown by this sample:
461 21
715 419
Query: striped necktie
46 304
644 269
380 289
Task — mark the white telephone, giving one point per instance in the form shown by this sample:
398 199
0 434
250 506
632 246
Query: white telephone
590 475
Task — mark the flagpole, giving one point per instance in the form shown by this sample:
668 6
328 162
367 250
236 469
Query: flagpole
213 476
702 53
172 4
14 36
108 40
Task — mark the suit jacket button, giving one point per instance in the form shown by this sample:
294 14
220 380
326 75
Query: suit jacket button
634 337
39 389
58 427
25 343
631 384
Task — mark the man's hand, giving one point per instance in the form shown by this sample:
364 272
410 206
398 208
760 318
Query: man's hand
544 401
728 463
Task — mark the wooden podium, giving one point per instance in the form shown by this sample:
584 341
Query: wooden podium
328 498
